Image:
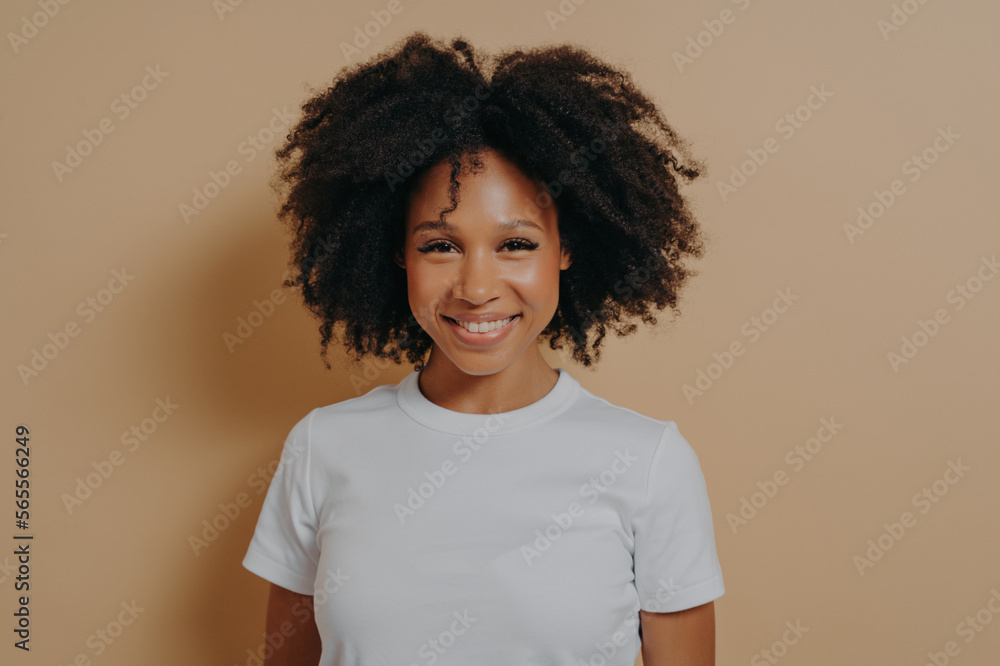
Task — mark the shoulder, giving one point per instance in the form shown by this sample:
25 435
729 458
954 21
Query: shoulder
363 410
594 414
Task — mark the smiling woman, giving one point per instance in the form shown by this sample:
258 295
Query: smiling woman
485 285
486 509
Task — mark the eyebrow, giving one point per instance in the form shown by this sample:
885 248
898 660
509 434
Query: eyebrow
501 226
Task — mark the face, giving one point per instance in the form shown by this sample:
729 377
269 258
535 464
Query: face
493 265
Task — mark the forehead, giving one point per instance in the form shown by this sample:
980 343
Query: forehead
498 191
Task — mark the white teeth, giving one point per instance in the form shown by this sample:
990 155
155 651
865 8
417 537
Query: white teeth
485 327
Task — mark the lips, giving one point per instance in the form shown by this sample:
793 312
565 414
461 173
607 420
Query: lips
483 327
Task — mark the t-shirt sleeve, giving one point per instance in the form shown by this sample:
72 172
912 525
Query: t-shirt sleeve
676 564
284 549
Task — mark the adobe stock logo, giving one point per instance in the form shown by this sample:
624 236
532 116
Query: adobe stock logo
928 329
914 167
252 146
696 45
753 328
30 27
923 500
131 440
796 458
899 17
665 591
435 479
969 628
787 126
779 648
88 309
563 522
436 646
122 106
372 29
562 12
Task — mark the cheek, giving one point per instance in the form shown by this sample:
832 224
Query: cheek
534 283
425 289
537 283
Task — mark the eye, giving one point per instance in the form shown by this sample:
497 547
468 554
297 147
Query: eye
433 247
521 244
514 244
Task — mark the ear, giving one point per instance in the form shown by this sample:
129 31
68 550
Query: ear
566 260
398 258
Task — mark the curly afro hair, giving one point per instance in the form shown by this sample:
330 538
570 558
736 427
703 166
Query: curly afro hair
604 152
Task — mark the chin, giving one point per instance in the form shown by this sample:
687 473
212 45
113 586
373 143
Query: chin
478 365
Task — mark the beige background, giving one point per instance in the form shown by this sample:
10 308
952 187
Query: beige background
825 357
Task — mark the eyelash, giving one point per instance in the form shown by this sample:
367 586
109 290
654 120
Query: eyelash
431 247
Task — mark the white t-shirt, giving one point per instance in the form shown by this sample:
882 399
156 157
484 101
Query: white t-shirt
528 537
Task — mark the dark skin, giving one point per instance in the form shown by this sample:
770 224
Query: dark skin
682 638
476 266
301 648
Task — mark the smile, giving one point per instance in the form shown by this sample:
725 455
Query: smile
483 327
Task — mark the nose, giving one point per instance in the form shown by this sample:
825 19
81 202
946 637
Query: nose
477 279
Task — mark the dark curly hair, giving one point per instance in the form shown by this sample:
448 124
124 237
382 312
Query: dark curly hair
605 153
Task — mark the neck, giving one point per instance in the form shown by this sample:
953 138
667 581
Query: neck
514 386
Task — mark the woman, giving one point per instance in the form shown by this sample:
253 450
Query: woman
487 509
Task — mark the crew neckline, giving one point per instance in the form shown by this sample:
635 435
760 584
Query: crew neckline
436 417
